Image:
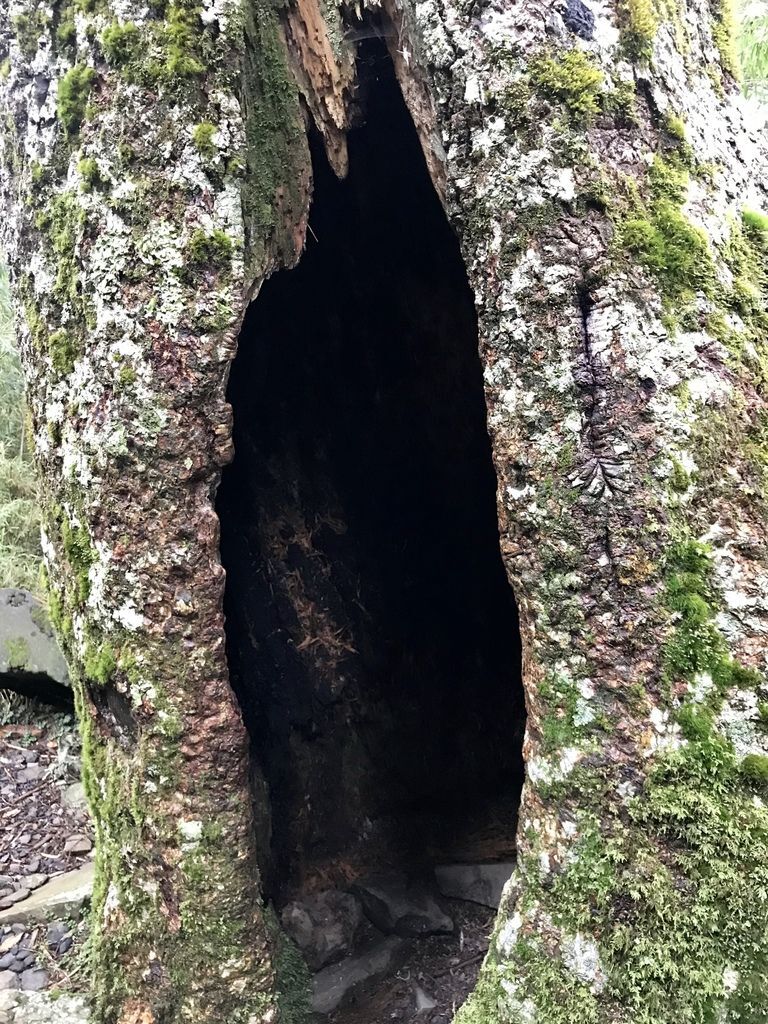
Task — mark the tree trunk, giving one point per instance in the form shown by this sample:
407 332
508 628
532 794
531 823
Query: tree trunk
606 191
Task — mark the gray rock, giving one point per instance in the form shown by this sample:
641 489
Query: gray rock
396 906
335 984
45 1008
35 881
15 897
34 980
78 844
477 883
8 980
62 897
8 999
74 797
27 643
323 926
32 773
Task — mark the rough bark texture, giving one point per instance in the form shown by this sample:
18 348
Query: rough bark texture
605 190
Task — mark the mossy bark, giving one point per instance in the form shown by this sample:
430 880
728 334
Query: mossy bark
598 179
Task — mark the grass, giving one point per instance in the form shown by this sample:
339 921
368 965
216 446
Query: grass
19 517
752 47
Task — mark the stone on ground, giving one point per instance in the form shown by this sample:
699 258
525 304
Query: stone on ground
334 985
324 926
42 1008
27 642
398 906
477 883
62 897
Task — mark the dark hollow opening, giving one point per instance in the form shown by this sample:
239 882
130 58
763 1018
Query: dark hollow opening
372 635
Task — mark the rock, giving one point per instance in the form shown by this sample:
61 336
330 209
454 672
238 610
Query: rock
395 905
335 984
35 881
62 897
47 1008
32 773
28 646
424 1002
8 980
34 980
477 883
323 926
8 999
78 844
15 897
73 797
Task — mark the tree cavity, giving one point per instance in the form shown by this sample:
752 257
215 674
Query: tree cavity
372 635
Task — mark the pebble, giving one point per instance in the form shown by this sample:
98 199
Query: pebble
15 897
8 980
34 980
78 844
32 773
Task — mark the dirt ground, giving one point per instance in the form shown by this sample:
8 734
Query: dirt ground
442 968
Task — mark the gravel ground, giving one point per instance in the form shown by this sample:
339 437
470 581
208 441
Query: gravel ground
44 833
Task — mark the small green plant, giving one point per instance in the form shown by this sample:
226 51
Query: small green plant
208 252
88 169
72 100
571 79
120 43
639 25
202 136
754 770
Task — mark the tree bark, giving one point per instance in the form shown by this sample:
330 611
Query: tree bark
606 190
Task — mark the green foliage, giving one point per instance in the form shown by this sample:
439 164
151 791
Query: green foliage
639 23
202 136
754 770
120 42
72 98
571 79
182 36
752 46
19 517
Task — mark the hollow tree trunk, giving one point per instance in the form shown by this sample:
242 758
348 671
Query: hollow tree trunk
596 166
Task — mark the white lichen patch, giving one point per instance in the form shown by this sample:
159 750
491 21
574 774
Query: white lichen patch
582 956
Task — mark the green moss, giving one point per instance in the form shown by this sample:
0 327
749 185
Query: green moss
756 224
293 980
80 555
754 770
671 248
66 32
206 252
182 37
695 721
63 351
88 169
621 101
675 126
723 34
120 43
29 27
680 479
127 375
639 24
202 136
571 79
5 69
17 650
99 664
72 97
